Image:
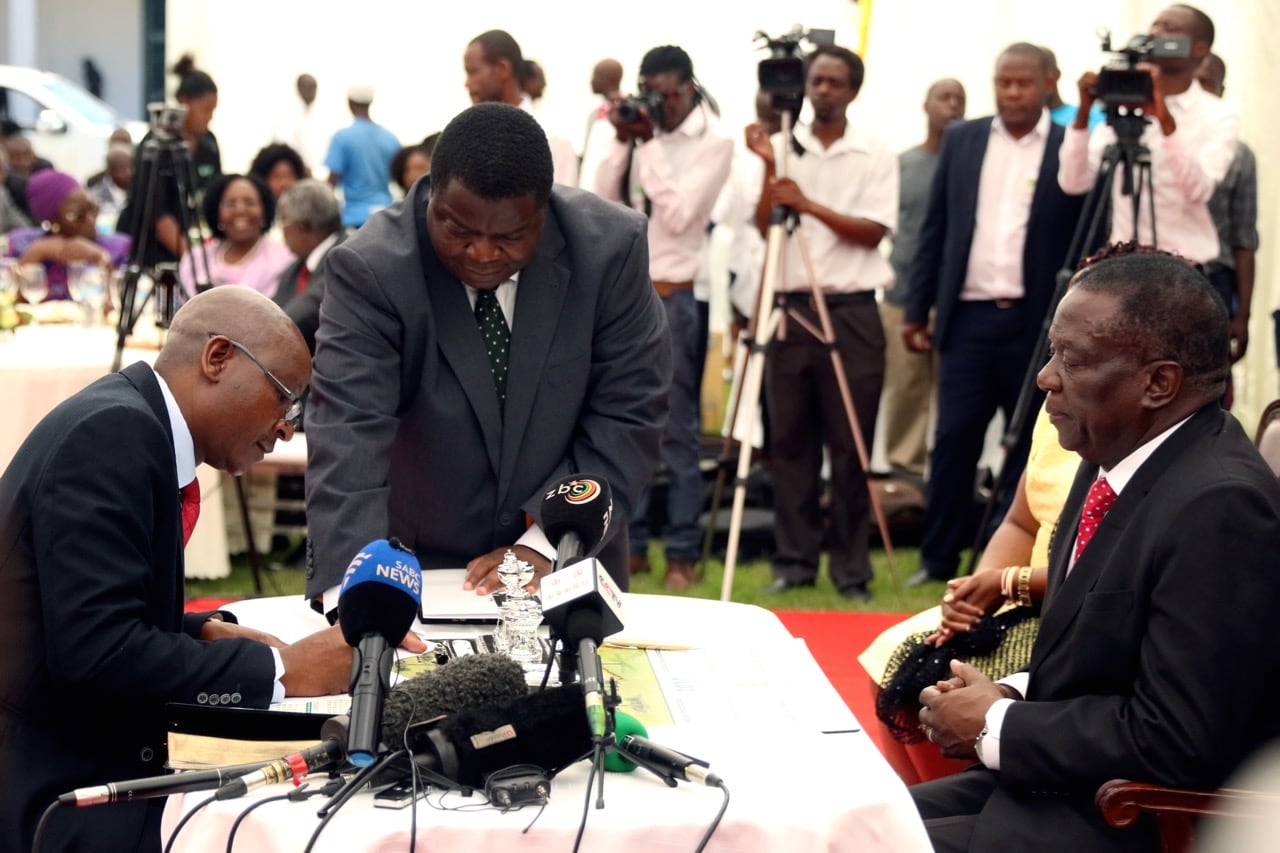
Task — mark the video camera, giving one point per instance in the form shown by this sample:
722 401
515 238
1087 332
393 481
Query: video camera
1121 82
167 119
782 74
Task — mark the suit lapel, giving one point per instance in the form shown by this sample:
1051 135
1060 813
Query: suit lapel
540 296
458 335
1065 594
971 177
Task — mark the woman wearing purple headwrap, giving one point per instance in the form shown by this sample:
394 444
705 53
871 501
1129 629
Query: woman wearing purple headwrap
67 231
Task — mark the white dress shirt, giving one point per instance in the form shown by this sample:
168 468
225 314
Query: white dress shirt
1118 477
856 176
184 454
1186 166
680 174
1010 169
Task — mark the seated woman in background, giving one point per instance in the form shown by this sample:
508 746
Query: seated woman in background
67 232
278 166
239 210
920 649
408 164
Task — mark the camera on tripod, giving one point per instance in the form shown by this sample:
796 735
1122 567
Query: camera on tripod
167 119
782 74
1121 82
651 102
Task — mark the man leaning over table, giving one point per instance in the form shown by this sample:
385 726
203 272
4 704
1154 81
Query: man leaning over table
94 512
479 341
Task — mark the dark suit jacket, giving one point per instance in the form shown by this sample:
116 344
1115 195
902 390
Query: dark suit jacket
91 622
942 250
304 308
1155 660
404 431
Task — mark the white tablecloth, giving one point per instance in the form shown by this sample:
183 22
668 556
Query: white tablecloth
750 699
40 366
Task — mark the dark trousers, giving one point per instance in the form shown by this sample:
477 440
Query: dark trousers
806 411
980 370
680 453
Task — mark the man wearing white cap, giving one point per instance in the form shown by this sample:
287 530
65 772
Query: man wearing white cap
359 160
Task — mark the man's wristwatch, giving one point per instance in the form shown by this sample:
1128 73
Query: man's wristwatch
977 744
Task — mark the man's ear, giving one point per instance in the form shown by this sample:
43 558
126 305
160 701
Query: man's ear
213 361
1164 382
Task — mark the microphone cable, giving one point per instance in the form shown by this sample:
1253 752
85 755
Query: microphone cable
43 824
186 818
302 792
715 824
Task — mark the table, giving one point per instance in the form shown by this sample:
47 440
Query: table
42 365
747 697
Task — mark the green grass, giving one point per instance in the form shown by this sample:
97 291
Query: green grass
750 579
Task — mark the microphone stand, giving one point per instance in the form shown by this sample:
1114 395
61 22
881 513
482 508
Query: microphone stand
356 782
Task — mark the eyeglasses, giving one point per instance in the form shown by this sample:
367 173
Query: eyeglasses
293 414
88 211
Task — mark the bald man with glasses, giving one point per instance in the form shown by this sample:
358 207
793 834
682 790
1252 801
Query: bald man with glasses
94 513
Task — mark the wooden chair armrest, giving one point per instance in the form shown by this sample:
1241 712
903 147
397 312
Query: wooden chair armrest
1121 802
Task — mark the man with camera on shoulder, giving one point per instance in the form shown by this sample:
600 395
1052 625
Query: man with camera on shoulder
1191 135
670 160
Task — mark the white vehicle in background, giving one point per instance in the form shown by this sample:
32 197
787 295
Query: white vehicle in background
67 125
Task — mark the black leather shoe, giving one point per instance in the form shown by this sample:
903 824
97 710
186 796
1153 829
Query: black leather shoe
856 593
781 585
921 578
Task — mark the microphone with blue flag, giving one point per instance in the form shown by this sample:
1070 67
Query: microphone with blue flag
379 599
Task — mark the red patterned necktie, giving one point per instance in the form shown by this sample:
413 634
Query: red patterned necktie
190 509
1100 500
304 278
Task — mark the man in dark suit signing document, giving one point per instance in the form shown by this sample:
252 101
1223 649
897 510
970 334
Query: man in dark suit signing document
94 512
1155 660
478 342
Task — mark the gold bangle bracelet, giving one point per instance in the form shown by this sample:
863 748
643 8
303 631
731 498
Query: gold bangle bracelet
1024 586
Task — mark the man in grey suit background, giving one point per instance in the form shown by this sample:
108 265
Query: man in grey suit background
421 427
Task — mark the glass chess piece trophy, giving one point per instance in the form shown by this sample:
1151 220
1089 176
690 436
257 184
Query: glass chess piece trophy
519 613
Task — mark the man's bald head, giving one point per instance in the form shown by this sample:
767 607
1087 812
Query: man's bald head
234 362
606 77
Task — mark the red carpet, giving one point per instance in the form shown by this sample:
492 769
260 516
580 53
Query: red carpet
835 639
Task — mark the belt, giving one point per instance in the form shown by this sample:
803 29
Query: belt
1002 304
666 288
805 297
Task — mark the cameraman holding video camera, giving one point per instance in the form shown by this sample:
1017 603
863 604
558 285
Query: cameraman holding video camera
1191 135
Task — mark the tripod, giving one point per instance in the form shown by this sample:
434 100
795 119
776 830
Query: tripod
162 155
1124 156
783 225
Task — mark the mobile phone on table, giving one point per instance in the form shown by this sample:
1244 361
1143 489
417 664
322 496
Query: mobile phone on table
397 796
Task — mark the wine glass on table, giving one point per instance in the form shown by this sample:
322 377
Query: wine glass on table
93 291
33 285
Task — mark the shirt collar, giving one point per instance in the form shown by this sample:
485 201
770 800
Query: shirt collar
1041 129
1185 101
184 449
317 254
851 140
1120 475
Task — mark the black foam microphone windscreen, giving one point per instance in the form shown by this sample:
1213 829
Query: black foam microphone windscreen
467 682
548 729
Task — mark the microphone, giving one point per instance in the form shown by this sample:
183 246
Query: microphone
294 766
624 724
580 601
676 764
575 515
547 729
466 682
151 787
379 599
